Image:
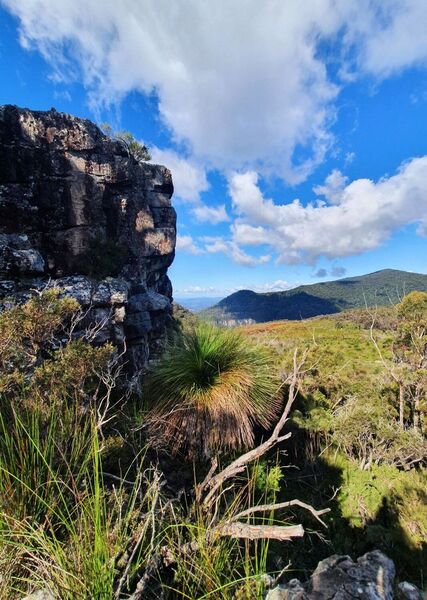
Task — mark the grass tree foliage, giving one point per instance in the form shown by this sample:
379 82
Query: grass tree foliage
209 391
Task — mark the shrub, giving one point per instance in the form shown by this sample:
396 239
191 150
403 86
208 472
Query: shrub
138 151
209 390
103 258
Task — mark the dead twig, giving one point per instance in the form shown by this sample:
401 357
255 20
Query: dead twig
280 505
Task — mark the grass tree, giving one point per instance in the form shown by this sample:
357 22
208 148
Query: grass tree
210 389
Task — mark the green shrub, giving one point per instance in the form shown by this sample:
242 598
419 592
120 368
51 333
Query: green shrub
103 258
140 152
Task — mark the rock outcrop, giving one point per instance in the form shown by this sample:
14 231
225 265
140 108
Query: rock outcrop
78 212
371 577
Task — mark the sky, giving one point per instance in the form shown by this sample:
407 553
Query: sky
296 132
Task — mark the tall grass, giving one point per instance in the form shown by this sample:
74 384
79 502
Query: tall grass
69 536
94 541
41 462
69 527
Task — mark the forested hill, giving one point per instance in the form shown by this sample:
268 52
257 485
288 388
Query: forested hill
379 288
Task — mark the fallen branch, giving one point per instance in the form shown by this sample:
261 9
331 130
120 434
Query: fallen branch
259 532
239 465
272 507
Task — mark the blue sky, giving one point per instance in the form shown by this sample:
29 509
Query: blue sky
296 133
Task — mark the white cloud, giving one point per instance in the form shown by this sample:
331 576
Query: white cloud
189 178
275 286
363 215
243 84
198 290
233 251
211 214
185 243
332 188
395 39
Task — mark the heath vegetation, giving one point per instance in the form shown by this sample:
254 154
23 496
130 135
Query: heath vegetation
248 453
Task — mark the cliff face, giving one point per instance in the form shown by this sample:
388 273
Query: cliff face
77 212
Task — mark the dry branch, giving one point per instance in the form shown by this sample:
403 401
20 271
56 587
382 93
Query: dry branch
237 466
260 532
280 505
208 493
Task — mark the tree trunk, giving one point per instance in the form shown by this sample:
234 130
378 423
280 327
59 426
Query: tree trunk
401 403
417 420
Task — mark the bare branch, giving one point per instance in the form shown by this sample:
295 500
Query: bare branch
260 532
278 506
240 463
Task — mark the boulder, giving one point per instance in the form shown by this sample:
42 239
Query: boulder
408 591
43 594
371 577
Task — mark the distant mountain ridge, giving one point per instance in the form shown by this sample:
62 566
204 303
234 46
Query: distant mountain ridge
378 288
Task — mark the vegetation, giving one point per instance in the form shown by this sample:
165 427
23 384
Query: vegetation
349 442
85 511
140 152
376 289
209 390
102 496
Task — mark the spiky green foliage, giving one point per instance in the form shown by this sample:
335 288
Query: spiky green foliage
209 390
81 519
73 550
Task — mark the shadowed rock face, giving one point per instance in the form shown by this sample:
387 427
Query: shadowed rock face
79 213
371 577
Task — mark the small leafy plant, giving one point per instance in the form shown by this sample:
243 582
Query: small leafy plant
138 151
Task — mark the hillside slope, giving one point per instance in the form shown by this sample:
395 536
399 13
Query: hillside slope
379 288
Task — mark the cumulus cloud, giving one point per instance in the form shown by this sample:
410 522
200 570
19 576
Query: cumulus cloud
332 188
334 272
394 39
231 249
189 178
354 218
185 243
256 92
274 286
211 214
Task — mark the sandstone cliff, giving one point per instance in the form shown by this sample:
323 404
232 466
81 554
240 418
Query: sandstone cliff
79 213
